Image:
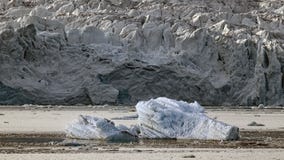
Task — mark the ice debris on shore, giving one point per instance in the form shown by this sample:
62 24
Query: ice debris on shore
157 118
88 127
167 118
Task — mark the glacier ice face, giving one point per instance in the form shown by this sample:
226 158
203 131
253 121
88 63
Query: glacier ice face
216 52
166 118
157 118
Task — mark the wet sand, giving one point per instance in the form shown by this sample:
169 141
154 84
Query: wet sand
40 131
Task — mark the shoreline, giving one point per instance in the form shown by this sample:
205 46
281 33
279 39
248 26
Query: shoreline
38 133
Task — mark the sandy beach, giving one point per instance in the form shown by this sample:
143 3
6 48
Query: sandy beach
37 120
161 154
38 133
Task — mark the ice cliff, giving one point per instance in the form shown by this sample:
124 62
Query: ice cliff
218 52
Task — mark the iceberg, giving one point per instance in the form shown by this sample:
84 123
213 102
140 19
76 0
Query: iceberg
89 127
157 118
167 118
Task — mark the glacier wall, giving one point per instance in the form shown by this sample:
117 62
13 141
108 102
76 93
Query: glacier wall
218 52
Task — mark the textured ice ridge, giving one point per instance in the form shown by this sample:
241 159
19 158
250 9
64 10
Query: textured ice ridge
157 118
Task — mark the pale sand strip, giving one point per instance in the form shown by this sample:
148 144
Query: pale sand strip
160 154
39 120
34 121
